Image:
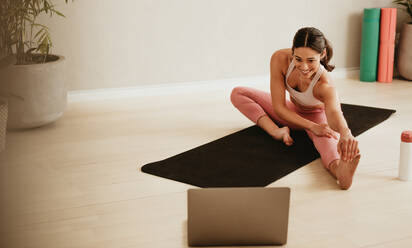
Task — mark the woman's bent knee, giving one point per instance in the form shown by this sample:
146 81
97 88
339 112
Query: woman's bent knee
236 95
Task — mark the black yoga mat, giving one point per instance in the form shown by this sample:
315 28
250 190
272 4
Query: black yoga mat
252 158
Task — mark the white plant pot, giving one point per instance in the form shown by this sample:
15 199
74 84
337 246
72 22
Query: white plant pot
405 52
3 123
36 94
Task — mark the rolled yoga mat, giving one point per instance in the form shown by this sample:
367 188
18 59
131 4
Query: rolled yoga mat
370 45
386 44
251 157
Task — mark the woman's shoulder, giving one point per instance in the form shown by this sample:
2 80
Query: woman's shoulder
324 86
325 78
281 59
282 55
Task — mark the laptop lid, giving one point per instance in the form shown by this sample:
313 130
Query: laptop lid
238 216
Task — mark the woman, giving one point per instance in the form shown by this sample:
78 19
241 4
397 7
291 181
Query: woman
314 106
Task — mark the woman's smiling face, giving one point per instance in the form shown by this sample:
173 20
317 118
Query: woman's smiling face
307 60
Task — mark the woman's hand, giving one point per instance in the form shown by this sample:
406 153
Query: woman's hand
323 130
347 146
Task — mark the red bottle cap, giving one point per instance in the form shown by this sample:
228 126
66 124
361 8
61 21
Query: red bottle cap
406 136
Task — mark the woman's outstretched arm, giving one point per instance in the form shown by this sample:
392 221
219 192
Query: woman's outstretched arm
347 145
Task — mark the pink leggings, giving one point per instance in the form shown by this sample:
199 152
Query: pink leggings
255 103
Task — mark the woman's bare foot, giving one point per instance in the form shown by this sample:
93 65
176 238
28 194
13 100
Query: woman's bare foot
344 171
278 133
282 134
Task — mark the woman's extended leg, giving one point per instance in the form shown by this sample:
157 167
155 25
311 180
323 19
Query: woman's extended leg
327 148
257 106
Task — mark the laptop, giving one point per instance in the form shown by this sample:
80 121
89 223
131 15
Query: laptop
237 216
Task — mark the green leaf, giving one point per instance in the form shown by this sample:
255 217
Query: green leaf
40 25
42 37
57 12
43 46
37 34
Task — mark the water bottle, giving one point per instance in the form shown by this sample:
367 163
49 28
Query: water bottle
405 157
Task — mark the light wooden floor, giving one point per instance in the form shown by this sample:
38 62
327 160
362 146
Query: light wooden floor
77 183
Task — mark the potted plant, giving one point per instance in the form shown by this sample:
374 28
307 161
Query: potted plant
405 49
31 78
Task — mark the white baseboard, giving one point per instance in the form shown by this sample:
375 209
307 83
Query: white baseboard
349 72
174 88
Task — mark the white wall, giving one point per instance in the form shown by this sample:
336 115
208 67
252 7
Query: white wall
124 43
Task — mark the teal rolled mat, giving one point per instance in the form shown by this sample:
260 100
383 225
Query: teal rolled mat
370 45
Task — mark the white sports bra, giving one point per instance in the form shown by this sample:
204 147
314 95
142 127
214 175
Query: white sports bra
305 98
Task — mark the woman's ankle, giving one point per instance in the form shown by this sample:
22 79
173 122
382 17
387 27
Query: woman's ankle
266 123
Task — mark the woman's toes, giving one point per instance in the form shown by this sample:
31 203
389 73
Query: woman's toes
286 136
287 140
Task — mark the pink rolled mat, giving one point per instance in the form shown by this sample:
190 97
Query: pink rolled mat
386 45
